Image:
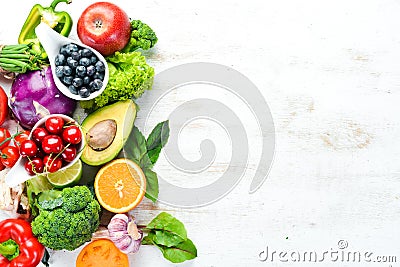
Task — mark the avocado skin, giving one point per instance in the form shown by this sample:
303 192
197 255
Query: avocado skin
124 113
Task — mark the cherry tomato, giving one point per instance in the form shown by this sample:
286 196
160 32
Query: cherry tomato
54 125
69 154
28 148
22 136
52 164
35 165
4 134
72 134
9 156
52 144
3 106
38 134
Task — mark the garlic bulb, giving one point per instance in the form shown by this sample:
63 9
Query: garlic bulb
124 233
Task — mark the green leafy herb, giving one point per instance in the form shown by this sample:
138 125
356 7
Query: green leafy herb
159 136
151 185
185 250
146 152
166 222
170 236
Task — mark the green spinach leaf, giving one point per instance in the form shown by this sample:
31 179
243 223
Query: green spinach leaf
166 222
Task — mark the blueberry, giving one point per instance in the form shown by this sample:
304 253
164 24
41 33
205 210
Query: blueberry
67 70
99 66
86 80
84 92
68 80
90 70
64 50
72 62
99 75
86 52
72 48
97 84
80 71
93 60
73 89
60 71
75 55
84 61
59 60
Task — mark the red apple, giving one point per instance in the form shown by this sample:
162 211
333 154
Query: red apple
104 27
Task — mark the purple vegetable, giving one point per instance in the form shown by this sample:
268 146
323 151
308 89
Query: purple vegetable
35 95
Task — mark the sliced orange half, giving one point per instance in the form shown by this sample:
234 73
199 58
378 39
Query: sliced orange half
120 185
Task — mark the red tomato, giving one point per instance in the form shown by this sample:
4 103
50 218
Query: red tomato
4 134
54 124
104 27
9 156
22 136
52 164
3 106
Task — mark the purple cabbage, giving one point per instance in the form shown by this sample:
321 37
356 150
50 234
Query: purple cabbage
35 95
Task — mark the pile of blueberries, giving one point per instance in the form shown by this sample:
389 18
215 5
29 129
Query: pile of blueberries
79 69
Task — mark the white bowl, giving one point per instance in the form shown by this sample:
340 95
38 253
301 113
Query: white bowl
52 42
18 174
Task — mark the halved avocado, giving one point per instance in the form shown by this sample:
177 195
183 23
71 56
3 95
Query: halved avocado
106 131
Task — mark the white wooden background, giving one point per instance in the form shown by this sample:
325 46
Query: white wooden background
330 72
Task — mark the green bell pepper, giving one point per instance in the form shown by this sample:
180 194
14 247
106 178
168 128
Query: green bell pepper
60 21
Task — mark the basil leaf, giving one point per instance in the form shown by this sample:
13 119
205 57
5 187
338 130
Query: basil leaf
154 154
166 222
135 146
159 136
167 239
151 185
185 250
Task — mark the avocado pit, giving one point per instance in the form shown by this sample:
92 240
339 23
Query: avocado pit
102 134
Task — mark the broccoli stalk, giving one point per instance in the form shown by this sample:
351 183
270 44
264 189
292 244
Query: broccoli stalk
69 224
142 36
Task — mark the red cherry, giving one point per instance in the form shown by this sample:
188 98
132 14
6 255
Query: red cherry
52 164
35 165
72 134
54 124
69 154
52 144
28 148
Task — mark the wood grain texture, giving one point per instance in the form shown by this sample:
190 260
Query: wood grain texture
330 72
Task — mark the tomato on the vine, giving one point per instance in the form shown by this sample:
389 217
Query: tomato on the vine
9 156
3 106
4 135
21 137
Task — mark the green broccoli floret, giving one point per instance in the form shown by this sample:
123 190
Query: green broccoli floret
142 36
70 225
